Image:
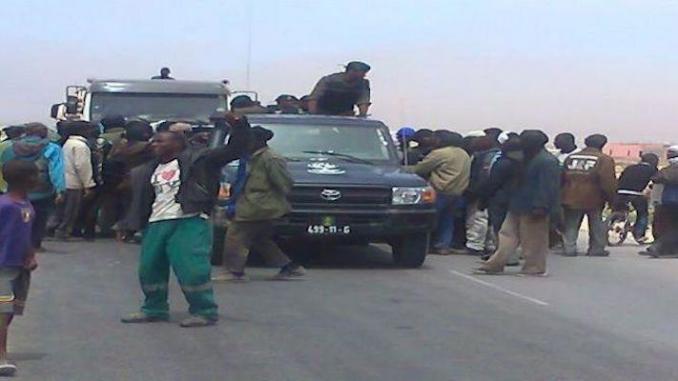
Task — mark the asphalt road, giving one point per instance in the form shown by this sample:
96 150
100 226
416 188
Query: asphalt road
356 318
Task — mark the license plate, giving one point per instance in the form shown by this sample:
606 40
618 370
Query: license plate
328 226
329 230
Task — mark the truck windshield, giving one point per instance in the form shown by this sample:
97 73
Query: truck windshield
361 143
154 107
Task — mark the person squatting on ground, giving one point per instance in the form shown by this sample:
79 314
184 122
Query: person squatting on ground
447 168
79 174
172 197
260 195
631 189
36 148
665 228
17 256
534 202
589 181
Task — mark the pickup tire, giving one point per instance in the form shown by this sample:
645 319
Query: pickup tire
410 251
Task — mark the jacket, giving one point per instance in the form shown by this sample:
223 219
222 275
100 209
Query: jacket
122 159
635 179
266 190
496 191
481 165
200 174
51 173
538 188
447 169
78 163
589 180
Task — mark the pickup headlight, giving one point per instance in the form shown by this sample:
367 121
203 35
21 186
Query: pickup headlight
413 196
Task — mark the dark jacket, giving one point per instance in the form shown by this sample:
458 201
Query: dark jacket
496 191
538 188
481 166
200 174
589 180
635 178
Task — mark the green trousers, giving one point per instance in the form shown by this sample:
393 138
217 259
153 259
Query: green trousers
186 245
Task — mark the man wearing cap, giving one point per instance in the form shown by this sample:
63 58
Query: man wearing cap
287 104
589 181
339 93
533 202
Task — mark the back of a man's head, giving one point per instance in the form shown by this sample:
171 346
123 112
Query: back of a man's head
37 129
565 142
14 132
78 128
533 140
242 101
597 141
447 138
650 158
138 131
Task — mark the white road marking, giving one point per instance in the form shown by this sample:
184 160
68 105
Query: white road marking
500 289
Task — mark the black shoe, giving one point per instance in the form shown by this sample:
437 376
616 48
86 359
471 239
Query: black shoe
474 252
485 257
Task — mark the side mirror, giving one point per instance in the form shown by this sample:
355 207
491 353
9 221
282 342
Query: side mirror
71 105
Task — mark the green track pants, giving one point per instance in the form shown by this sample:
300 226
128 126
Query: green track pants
186 245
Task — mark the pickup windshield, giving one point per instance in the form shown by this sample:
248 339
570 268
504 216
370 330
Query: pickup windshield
300 141
154 107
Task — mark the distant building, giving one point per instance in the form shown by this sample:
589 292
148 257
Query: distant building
629 153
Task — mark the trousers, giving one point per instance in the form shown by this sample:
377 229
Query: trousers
597 230
529 232
70 212
242 237
445 207
477 225
43 209
185 245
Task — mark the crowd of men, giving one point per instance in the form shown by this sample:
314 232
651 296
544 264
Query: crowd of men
498 191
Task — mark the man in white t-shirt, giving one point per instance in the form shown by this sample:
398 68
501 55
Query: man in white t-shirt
171 198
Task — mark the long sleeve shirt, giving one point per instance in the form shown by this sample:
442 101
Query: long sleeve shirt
78 163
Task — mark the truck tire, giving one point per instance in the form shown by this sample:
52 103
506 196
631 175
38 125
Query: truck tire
410 251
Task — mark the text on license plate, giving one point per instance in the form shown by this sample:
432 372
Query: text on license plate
332 229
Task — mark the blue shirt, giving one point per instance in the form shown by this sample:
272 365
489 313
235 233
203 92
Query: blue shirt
16 220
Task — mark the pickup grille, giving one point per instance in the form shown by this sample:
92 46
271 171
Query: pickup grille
350 197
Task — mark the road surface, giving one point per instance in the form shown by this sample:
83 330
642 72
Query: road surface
356 318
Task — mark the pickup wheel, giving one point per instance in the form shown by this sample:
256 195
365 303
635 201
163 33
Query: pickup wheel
410 251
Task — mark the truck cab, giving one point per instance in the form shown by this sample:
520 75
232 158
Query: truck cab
151 100
349 186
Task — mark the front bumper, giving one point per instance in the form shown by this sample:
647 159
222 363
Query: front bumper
369 225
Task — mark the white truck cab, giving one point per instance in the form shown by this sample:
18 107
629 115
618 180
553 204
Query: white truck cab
151 100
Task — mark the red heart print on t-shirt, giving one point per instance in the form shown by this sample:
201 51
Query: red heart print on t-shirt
168 175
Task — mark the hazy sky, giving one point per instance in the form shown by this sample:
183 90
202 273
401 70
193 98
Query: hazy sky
581 66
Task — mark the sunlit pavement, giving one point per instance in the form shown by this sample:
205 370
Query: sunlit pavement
357 318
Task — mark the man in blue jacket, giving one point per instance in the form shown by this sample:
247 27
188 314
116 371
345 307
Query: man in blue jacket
533 204
36 147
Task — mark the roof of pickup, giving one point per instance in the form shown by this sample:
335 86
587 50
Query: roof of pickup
157 86
313 119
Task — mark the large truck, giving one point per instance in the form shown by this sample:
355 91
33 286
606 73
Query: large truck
151 100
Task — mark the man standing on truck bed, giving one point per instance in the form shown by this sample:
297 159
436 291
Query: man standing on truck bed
339 93
164 74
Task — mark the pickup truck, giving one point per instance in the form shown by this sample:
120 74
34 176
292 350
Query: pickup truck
349 185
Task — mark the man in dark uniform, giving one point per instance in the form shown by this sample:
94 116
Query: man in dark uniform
164 74
339 93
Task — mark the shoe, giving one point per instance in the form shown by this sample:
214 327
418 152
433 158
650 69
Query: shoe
195 321
603 253
290 272
484 271
566 254
513 264
642 240
7 369
230 277
485 257
474 252
441 251
140 317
